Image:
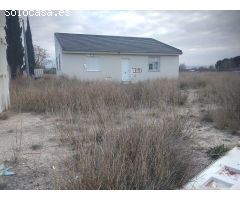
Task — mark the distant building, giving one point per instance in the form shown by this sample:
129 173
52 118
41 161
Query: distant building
127 59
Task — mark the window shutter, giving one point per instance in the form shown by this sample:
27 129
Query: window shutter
93 64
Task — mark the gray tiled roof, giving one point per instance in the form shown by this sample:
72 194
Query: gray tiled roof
115 44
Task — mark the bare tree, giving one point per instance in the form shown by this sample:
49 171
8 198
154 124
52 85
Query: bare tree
41 57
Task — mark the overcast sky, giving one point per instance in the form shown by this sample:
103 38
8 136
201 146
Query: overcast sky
203 36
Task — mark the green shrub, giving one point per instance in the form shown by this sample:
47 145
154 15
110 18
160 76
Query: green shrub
217 152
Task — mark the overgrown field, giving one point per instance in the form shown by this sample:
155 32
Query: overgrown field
128 136
221 91
58 94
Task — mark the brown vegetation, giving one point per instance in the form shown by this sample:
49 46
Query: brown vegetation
60 94
128 136
127 154
223 92
115 151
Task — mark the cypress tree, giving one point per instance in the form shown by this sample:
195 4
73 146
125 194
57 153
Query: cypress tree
30 49
15 50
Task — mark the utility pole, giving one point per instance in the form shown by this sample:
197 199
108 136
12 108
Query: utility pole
25 48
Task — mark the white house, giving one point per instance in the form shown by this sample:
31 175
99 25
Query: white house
101 57
4 76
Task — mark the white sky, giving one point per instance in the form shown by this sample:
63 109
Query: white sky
203 36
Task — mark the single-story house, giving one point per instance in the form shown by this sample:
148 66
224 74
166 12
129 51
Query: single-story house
4 75
117 58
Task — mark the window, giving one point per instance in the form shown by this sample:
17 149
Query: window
92 64
154 64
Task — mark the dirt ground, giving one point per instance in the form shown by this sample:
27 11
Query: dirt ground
203 134
30 144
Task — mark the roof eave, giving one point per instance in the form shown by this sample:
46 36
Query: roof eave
119 53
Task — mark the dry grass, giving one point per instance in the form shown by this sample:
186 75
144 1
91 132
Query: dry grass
127 136
193 80
132 154
112 149
223 92
57 94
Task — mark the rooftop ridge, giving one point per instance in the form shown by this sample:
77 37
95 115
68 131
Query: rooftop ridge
104 35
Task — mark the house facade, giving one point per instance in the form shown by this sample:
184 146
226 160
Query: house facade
127 59
4 75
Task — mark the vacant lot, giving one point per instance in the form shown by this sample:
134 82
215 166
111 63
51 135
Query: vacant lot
65 134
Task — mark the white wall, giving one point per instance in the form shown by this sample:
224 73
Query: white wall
58 51
72 64
4 75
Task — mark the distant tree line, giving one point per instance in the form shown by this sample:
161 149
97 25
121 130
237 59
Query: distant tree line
228 64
